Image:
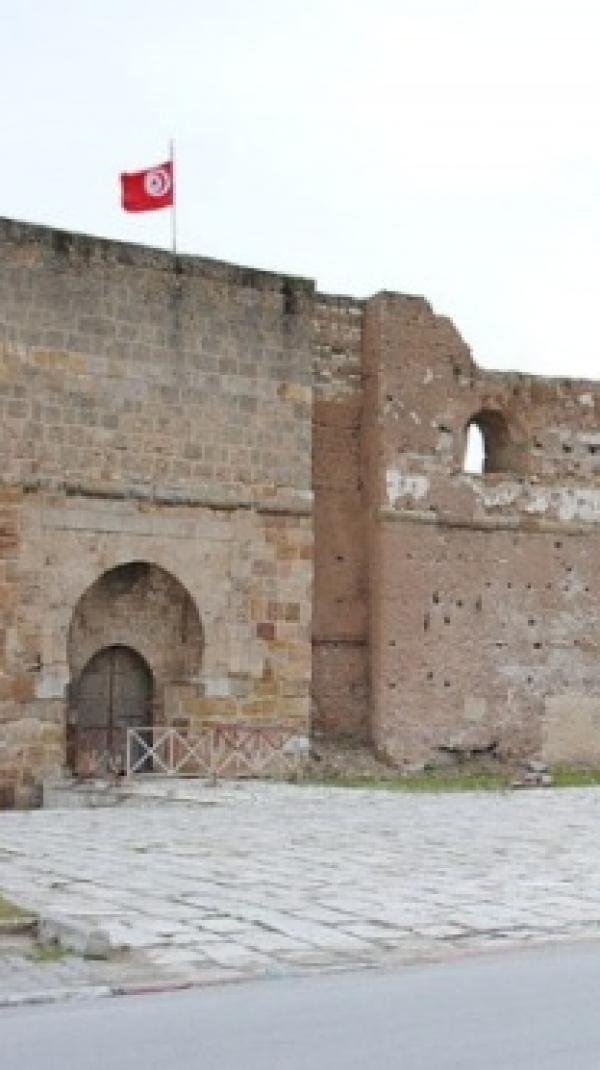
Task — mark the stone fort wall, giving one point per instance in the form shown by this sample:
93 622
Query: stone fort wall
162 417
210 430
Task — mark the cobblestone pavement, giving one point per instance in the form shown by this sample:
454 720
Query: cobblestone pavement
263 879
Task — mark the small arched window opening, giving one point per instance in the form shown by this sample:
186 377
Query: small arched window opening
474 459
487 444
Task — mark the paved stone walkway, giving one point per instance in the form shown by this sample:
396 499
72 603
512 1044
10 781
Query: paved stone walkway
263 879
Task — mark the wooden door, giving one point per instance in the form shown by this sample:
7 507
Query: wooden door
114 694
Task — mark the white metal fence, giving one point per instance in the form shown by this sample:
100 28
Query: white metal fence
216 750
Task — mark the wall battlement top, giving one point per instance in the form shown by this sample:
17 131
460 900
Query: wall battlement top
342 311
91 249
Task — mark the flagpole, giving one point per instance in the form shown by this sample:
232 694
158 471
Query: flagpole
173 208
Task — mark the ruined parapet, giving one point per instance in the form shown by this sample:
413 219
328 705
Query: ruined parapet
484 587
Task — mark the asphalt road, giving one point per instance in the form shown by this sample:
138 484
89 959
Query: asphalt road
535 1009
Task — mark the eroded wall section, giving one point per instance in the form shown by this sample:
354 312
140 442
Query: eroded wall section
485 589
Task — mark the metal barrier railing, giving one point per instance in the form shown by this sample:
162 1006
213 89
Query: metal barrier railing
215 750
92 752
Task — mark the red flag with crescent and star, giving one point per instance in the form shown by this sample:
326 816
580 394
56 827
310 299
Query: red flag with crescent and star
145 191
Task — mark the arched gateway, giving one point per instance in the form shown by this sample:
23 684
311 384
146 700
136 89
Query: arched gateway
135 638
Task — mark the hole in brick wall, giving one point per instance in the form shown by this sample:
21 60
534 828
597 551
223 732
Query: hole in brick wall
566 448
488 446
587 590
537 646
531 622
430 675
509 584
426 622
459 603
339 557
558 545
569 568
479 604
435 598
529 586
593 449
548 586
474 459
530 679
488 583
392 686
446 683
446 620
392 642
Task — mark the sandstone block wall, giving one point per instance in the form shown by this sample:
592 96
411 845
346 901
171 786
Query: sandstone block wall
157 414
122 371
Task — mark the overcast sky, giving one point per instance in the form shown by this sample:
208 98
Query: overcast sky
444 148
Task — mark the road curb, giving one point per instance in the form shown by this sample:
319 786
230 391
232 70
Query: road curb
444 952
64 995
54 995
152 988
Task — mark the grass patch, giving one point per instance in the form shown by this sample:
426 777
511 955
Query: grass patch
436 780
563 776
10 911
48 953
432 781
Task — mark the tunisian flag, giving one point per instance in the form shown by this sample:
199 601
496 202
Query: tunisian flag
144 191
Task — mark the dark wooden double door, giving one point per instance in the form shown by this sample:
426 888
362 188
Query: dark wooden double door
114 694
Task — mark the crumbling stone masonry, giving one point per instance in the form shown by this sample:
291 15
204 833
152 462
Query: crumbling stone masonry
183 441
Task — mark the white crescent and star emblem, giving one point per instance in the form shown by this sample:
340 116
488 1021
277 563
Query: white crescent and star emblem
157 182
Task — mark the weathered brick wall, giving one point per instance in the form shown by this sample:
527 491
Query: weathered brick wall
340 642
152 412
483 590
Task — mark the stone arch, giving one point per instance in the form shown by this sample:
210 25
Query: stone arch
141 608
488 444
